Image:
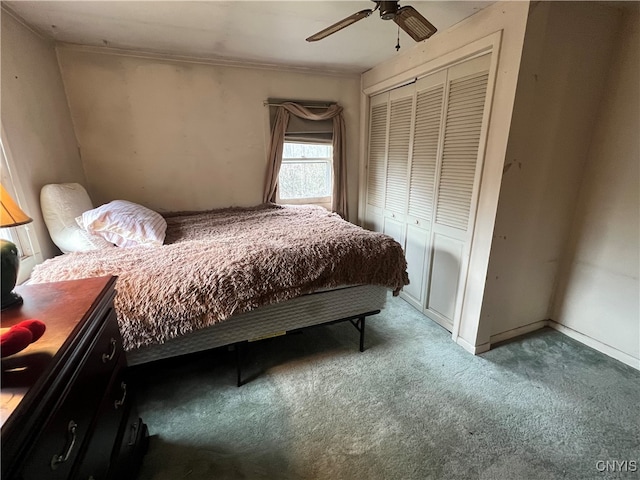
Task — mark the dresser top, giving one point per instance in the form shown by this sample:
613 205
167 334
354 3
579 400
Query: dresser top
63 307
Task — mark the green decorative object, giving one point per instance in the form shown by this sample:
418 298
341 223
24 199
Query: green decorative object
10 216
9 264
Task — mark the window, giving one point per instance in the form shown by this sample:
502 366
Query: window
23 236
306 174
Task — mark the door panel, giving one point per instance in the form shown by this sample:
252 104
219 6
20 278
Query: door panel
416 253
444 278
395 229
373 219
425 152
400 121
376 166
460 153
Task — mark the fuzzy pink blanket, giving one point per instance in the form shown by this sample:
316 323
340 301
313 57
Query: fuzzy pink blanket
221 262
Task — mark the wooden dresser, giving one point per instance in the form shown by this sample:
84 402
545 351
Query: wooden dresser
67 408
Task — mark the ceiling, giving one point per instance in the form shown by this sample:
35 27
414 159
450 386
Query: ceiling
258 32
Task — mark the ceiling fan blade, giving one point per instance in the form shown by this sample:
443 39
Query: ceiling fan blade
345 22
418 27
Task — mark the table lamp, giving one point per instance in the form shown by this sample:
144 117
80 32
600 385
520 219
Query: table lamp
10 216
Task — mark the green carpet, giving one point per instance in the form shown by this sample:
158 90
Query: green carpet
414 405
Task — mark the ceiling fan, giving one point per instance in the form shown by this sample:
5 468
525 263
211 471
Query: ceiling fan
407 18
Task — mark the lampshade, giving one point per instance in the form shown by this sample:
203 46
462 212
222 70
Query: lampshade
11 215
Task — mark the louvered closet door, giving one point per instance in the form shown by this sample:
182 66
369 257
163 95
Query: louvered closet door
401 112
377 161
422 172
457 180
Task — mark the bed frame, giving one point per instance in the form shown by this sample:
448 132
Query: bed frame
349 303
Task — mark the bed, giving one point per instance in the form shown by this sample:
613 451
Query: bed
232 275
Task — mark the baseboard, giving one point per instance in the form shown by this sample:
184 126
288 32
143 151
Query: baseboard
501 337
569 332
516 332
596 344
475 349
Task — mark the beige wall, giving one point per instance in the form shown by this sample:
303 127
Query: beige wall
508 20
35 117
566 54
598 293
177 135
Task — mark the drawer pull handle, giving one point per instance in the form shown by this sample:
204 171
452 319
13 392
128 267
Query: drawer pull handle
134 434
63 457
108 357
118 403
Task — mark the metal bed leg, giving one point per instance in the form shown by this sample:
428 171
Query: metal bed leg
238 365
357 321
359 324
361 321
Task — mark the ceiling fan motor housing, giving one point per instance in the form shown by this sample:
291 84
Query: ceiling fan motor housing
388 10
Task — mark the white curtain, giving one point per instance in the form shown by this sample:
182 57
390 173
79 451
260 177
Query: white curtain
339 194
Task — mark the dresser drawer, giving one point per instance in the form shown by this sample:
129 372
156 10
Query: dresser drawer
115 404
132 445
64 433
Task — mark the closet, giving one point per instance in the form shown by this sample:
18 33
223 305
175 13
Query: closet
425 155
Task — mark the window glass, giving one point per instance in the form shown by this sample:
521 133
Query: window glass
306 150
305 173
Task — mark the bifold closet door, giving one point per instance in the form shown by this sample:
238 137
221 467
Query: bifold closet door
426 138
424 165
457 185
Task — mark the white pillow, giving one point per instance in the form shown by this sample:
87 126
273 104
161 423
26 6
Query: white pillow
126 224
61 204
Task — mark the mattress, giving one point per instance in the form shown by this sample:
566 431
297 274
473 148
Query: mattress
312 309
217 264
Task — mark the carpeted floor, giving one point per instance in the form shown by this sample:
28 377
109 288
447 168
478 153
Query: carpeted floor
414 405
